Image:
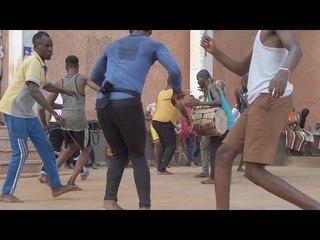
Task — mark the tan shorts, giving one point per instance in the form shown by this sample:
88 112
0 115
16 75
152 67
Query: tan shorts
256 133
154 134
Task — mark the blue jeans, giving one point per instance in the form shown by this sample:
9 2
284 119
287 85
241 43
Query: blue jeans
19 130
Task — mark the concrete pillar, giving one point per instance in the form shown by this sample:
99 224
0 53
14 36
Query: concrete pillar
199 59
18 39
15 52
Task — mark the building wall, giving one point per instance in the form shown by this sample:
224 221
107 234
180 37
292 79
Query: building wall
305 77
5 72
89 44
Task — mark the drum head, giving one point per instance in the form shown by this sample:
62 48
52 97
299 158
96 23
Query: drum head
221 120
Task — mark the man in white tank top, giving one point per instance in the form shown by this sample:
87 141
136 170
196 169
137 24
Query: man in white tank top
274 56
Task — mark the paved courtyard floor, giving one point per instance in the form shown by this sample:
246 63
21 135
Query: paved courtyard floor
180 191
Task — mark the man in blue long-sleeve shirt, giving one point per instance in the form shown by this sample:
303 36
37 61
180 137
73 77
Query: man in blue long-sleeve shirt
121 71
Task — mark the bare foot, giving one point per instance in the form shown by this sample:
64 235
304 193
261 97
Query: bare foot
63 189
43 178
9 198
75 187
94 166
110 205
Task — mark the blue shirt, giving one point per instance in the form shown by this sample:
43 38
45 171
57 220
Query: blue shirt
125 63
226 107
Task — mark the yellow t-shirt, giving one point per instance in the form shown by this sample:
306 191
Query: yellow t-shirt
165 111
17 100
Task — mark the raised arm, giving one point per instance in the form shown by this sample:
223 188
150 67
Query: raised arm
169 63
239 67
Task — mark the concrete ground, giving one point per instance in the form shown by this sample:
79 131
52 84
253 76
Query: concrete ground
180 191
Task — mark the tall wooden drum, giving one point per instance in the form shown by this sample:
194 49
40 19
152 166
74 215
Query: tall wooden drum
209 121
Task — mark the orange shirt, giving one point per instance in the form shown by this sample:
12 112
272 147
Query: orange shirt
293 117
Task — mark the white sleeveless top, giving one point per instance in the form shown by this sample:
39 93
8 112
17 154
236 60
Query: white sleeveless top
265 63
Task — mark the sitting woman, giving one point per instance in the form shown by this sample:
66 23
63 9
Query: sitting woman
307 134
295 137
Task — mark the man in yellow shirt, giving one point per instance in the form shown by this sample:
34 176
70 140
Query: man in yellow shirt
164 122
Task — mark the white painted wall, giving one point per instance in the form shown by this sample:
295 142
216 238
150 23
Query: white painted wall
199 59
15 51
17 40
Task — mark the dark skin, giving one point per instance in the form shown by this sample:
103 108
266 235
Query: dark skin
239 93
256 172
178 103
81 82
204 85
44 48
239 97
270 38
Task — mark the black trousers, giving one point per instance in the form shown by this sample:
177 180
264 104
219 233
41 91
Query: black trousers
56 137
168 143
122 123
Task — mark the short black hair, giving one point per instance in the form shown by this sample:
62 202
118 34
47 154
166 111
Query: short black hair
203 73
38 36
72 60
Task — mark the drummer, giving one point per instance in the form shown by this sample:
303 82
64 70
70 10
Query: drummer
215 97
